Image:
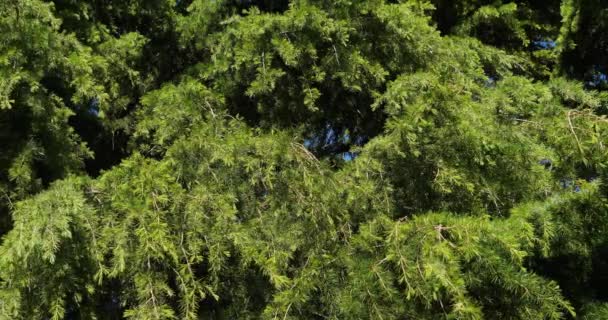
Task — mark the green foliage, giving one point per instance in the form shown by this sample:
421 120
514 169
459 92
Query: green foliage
583 47
46 260
439 264
49 78
302 160
595 311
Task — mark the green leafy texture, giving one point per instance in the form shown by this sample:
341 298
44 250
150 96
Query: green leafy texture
316 66
48 255
583 48
300 160
49 82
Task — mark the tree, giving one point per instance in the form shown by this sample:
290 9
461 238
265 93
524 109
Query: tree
301 160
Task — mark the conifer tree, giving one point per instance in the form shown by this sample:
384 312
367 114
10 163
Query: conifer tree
303 159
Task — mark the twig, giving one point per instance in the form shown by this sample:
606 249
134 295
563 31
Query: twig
578 142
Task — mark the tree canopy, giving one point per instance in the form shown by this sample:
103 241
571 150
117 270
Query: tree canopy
303 159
